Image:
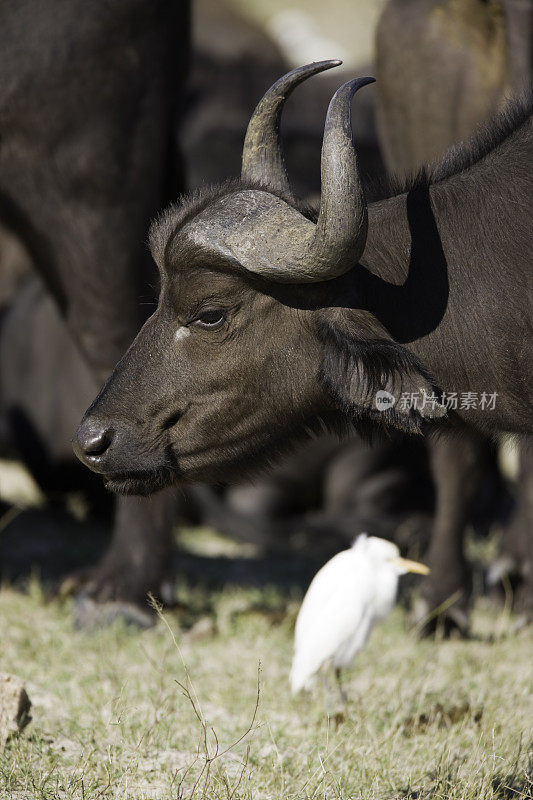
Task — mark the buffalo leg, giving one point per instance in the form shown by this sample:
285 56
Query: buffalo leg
456 464
135 565
515 563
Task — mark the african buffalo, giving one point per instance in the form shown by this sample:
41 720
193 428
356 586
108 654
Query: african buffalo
89 101
444 67
272 321
450 59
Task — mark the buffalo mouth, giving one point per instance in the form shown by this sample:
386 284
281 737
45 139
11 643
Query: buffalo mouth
143 482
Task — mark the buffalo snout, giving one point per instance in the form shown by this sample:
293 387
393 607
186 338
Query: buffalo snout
93 444
112 448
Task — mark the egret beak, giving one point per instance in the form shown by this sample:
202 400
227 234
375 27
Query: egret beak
411 566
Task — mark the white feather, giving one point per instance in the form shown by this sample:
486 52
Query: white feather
347 597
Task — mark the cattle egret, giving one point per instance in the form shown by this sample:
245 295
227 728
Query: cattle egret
347 597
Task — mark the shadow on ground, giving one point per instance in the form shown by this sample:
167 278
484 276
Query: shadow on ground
52 544
505 787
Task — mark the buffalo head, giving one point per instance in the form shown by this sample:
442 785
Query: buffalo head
258 336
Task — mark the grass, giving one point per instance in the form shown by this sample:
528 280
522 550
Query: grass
171 713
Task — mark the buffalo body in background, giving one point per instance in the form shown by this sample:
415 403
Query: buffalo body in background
90 98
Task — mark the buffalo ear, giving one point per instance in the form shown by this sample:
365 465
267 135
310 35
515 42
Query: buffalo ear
372 377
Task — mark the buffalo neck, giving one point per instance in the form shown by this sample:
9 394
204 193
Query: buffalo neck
450 250
446 269
403 277
407 281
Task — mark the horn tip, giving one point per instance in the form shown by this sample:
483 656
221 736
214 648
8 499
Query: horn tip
355 84
364 81
328 63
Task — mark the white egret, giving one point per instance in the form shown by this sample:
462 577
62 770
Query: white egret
347 597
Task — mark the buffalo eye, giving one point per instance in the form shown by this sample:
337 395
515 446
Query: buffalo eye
211 318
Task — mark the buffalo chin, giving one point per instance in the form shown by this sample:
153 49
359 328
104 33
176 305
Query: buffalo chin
141 483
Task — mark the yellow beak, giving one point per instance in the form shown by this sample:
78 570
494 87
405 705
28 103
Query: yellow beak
412 566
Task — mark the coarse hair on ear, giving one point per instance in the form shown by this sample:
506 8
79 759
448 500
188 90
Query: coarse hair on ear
373 378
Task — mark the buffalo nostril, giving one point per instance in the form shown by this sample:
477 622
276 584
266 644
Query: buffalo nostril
92 443
96 442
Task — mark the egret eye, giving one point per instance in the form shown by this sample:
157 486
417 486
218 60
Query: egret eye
211 318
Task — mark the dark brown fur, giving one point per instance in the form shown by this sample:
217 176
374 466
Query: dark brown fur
218 401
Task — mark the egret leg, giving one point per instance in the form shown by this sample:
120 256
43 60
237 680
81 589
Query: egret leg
330 704
342 693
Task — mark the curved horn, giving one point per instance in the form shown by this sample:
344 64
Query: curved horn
258 231
340 234
343 220
262 154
